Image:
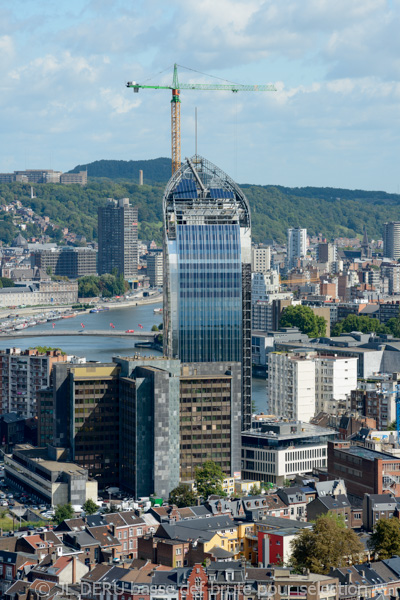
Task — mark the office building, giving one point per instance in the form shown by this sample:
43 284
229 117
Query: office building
22 374
296 245
210 424
74 178
118 238
66 262
120 421
149 425
327 253
363 471
155 268
42 473
260 259
207 287
278 450
391 240
266 314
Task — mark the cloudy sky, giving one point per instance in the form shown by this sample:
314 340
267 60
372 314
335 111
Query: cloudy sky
333 121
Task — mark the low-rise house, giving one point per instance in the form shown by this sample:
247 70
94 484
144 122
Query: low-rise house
338 505
296 500
63 570
378 506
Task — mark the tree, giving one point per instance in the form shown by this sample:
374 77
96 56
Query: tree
154 328
62 512
303 318
359 323
255 490
182 496
385 539
209 479
90 507
112 508
328 544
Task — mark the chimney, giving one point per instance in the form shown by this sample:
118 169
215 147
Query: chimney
73 569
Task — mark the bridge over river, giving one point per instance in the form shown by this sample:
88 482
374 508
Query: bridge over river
32 332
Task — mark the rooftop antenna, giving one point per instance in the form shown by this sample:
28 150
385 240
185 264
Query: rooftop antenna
195 130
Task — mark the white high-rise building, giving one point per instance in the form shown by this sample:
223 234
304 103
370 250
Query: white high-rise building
291 386
302 385
260 259
296 244
391 240
335 377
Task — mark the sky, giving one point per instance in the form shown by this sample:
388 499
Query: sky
333 121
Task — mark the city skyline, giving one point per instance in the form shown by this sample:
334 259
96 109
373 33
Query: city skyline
332 122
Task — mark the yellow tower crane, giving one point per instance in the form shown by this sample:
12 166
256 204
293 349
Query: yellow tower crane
176 104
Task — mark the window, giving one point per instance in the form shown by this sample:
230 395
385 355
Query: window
130 531
139 531
125 534
125 545
119 535
178 563
178 551
130 544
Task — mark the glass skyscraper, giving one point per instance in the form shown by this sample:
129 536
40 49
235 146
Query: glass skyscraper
207 291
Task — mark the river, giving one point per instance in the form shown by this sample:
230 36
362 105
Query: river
102 349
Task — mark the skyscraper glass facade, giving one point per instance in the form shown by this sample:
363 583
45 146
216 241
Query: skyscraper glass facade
210 295
207 271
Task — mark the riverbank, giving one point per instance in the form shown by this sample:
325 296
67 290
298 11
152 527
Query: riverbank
111 304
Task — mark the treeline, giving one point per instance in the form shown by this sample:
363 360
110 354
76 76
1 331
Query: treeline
154 170
333 213
107 286
366 325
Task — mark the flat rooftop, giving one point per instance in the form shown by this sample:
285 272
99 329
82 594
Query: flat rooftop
368 454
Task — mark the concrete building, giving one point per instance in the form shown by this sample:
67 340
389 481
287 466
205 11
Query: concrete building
326 253
149 425
120 421
364 471
392 272
291 386
296 245
391 240
260 259
207 289
74 178
279 450
42 473
155 268
265 314
118 239
22 374
66 262
263 285
375 400
210 424
335 378
40 293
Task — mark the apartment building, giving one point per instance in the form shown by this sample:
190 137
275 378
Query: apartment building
335 378
22 374
67 262
260 259
291 385
155 268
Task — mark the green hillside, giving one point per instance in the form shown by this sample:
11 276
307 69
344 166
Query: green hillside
157 170
332 212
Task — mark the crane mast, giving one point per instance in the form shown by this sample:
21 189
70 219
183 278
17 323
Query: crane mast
176 104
